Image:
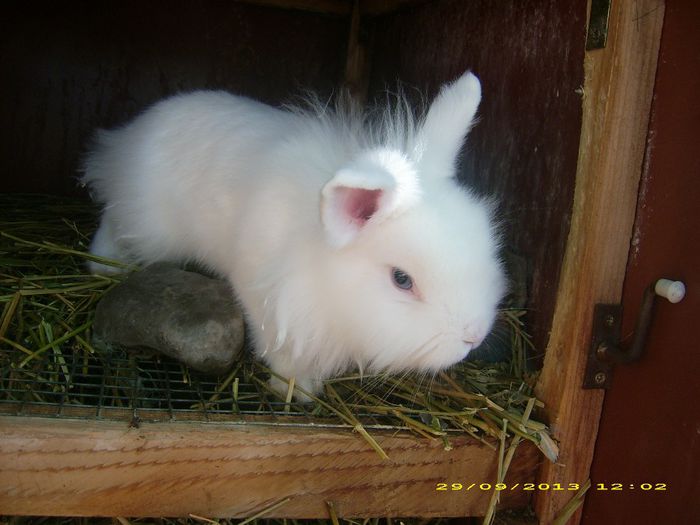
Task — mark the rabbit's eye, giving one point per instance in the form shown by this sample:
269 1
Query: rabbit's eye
401 279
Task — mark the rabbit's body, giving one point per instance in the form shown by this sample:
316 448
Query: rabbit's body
310 215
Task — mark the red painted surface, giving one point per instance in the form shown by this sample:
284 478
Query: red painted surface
650 428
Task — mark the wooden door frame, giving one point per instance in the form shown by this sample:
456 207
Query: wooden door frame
617 95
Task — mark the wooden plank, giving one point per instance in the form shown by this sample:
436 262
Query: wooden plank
617 99
338 7
357 65
383 7
106 468
328 7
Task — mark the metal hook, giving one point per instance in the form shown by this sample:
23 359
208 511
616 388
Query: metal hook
605 350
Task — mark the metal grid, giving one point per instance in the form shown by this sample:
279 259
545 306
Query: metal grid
67 377
129 387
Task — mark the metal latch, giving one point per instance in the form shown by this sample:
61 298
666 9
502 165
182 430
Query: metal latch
605 351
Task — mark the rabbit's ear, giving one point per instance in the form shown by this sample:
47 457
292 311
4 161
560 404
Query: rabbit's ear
447 123
377 184
352 198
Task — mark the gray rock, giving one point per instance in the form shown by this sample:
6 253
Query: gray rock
182 314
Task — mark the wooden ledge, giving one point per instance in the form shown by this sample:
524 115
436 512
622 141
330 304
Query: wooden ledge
64 467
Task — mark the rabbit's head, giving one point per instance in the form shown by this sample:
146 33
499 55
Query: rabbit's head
414 278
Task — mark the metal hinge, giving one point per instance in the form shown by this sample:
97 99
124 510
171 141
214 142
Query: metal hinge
598 24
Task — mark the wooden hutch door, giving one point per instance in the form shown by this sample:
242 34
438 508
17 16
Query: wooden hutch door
649 436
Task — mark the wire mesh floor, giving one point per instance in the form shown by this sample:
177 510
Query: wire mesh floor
51 367
124 386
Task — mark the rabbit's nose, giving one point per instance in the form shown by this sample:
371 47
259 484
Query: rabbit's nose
473 339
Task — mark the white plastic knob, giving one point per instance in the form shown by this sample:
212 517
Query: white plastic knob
674 291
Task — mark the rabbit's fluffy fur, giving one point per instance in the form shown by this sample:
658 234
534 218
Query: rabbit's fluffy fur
315 216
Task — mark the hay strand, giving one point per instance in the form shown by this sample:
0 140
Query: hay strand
47 300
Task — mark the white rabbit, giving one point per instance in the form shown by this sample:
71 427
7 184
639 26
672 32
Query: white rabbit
348 241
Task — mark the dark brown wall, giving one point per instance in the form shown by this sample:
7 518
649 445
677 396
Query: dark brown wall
69 67
529 57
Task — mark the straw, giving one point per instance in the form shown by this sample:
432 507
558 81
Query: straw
47 302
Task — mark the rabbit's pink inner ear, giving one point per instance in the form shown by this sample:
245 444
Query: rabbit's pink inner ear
345 210
358 204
